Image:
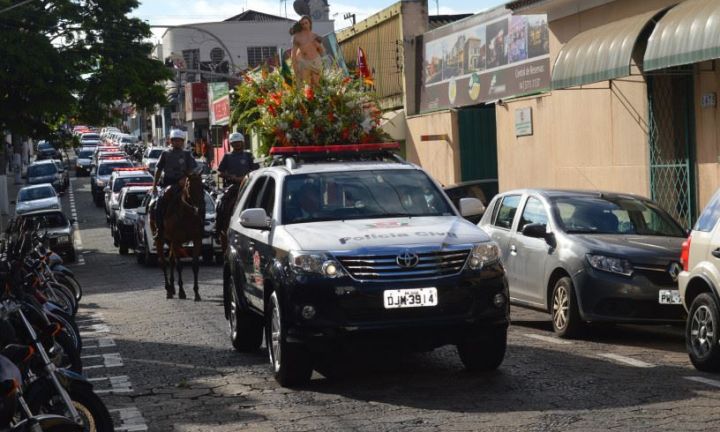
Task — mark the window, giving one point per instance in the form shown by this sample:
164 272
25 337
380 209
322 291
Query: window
710 215
254 194
534 212
268 197
192 61
506 212
258 55
133 200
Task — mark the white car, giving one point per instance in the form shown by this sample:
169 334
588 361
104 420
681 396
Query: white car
699 283
129 201
36 197
151 156
118 179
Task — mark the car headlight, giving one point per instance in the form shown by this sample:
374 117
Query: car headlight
610 264
483 254
315 263
63 239
100 183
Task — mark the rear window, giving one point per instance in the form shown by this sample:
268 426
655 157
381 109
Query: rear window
36 193
42 170
93 137
85 154
47 220
506 212
710 215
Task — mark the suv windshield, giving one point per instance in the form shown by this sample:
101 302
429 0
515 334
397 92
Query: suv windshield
614 215
42 170
107 169
122 181
36 193
85 154
361 195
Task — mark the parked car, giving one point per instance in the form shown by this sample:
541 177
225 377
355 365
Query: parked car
118 179
45 171
123 226
149 160
58 227
345 252
90 139
45 150
36 197
83 162
588 256
484 190
63 172
699 284
100 175
145 246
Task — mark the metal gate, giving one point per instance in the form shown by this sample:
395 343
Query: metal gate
478 143
672 144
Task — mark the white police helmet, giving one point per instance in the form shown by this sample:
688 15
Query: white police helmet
235 137
177 134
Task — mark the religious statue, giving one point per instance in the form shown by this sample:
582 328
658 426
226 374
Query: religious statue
307 52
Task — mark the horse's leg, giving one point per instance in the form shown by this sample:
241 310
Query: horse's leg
170 291
197 248
171 272
178 261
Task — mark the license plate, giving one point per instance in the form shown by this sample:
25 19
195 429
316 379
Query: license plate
671 297
408 298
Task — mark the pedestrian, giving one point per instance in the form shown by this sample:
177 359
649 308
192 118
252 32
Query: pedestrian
238 163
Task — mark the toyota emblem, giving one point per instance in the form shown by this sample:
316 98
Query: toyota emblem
674 271
407 259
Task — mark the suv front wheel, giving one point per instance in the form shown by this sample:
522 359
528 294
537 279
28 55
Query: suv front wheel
291 364
701 333
246 329
485 353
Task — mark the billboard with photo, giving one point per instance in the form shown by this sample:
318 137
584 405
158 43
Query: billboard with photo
484 58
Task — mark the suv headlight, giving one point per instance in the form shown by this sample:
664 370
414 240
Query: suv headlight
314 262
610 264
100 183
483 254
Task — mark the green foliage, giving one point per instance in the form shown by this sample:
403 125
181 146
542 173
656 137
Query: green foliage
73 57
338 111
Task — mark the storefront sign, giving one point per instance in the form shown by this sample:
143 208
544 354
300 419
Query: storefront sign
709 100
219 97
484 58
523 122
196 101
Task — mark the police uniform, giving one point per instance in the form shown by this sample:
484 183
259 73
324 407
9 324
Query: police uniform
174 165
237 164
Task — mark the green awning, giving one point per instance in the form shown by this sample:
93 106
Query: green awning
600 54
688 33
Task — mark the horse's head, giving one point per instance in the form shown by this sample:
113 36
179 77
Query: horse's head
193 190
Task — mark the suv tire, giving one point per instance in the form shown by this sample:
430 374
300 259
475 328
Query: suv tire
484 353
564 311
246 328
291 364
701 333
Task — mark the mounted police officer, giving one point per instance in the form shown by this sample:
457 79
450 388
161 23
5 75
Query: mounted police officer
238 163
172 166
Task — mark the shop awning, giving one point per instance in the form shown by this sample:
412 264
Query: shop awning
599 54
688 33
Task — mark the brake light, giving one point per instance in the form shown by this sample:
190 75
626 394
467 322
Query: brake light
685 254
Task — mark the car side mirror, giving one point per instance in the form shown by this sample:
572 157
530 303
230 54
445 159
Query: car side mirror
115 207
141 211
106 189
471 207
536 230
255 218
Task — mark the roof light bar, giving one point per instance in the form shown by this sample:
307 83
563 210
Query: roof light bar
138 169
338 148
138 184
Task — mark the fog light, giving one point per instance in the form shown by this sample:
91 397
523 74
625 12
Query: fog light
330 268
499 300
475 263
308 312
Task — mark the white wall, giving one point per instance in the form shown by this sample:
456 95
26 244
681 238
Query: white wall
237 36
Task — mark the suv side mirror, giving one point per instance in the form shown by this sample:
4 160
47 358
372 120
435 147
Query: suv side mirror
115 206
535 230
141 210
471 207
255 218
106 189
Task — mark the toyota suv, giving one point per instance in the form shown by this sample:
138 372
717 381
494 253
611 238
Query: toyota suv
340 249
699 286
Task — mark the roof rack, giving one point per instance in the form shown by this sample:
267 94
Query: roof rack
287 155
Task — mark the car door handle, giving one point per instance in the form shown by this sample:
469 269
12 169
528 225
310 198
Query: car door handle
513 250
716 253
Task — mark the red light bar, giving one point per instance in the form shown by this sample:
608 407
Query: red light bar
338 148
138 184
140 169
107 158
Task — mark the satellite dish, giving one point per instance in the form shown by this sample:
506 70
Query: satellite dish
302 7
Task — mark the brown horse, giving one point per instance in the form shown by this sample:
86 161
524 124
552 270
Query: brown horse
183 223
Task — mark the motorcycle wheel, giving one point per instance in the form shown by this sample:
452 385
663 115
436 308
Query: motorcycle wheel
92 410
70 355
71 283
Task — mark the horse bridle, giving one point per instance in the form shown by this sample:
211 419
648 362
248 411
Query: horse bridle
195 209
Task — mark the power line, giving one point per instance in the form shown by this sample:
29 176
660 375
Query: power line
9 8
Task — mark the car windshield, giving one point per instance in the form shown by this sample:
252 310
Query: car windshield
127 140
107 169
614 215
85 154
48 220
45 146
41 170
361 195
36 193
122 181
154 153
91 137
133 200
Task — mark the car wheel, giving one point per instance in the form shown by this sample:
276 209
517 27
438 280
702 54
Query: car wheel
484 353
564 310
701 333
290 363
150 259
246 329
140 257
72 255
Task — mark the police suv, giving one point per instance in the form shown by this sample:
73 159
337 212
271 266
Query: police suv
350 246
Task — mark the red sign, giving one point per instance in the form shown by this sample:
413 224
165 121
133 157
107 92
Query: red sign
196 97
221 109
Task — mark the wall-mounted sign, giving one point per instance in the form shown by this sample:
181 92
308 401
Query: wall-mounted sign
219 97
523 122
709 100
196 101
483 58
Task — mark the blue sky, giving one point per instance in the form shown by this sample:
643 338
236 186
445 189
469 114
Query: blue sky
183 11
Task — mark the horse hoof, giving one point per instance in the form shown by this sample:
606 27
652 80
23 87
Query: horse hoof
197 298
170 295
182 295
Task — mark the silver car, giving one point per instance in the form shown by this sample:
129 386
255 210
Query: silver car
36 197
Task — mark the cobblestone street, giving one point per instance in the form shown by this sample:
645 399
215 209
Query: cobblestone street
168 365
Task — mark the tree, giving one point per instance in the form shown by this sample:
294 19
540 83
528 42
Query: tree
73 57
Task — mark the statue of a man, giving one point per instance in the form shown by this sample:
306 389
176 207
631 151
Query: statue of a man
306 54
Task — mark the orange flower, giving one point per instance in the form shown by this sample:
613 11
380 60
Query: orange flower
260 101
309 93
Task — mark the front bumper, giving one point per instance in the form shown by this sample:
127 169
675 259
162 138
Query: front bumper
350 314
608 297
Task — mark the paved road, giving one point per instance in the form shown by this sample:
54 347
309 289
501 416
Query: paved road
172 368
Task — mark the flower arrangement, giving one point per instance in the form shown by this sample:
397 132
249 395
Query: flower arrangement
338 111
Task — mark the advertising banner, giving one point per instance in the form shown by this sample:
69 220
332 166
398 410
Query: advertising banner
219 97
484 58
196 101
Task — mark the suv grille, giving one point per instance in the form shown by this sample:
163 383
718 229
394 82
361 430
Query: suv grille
385 267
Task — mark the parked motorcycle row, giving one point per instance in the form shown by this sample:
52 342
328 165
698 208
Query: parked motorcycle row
41 383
